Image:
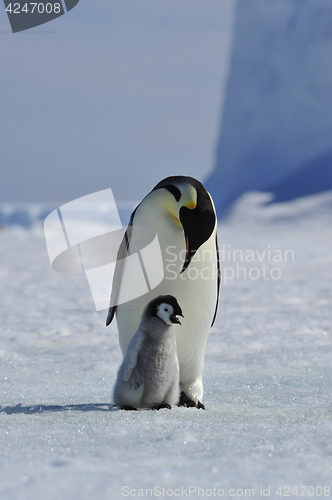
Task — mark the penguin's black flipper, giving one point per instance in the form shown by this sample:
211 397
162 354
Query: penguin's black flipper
110 315
218 283
122 254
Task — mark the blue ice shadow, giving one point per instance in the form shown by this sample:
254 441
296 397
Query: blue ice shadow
29 410
311 178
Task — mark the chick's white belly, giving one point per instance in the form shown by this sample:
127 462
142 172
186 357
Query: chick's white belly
154 380
160 372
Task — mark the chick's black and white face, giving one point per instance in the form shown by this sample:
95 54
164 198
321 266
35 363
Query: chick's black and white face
166 313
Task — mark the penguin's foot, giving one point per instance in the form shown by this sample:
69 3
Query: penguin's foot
162 405
200 405
185 401
189 403
125 407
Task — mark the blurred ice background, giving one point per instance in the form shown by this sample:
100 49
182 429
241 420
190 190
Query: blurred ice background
277 120
267 376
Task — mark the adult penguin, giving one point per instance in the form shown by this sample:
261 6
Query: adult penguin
182 214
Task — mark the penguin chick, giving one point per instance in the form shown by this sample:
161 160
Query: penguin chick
149 374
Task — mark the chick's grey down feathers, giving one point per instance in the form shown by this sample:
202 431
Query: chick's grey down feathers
149 374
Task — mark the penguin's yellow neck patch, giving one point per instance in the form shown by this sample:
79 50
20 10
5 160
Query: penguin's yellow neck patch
189 197
191 205
175 219
164 203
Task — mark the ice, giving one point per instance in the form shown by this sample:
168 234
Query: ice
267 376
29 215
277 118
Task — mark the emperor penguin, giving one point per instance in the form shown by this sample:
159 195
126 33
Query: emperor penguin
181 212
149 374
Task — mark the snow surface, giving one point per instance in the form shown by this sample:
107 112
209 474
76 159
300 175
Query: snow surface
267 375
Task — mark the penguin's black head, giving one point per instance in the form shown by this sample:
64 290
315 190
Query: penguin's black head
165 307
193 209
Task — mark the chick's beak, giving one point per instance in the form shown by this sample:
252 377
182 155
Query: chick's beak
175 319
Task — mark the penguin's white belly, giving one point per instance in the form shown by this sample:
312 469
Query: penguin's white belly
195 290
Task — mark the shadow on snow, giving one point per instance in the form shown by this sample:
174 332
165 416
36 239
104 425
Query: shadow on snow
29 410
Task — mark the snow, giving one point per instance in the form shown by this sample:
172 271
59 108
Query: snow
267 374
29 215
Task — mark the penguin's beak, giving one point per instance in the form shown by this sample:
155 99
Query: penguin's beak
198 224
175 319
189 254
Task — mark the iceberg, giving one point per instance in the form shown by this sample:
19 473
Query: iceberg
277 119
